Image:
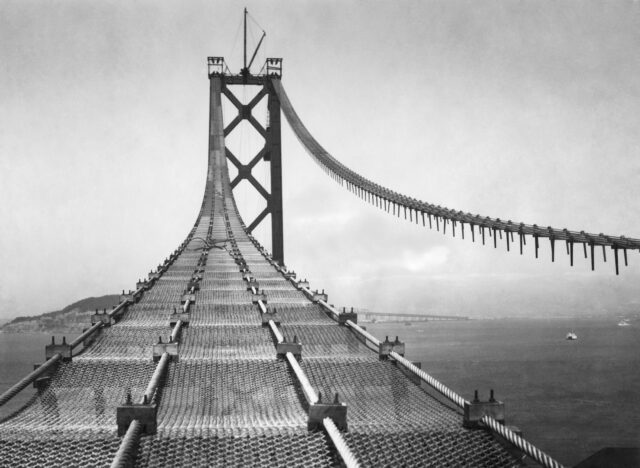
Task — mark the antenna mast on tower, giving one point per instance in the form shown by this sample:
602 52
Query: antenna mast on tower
246 68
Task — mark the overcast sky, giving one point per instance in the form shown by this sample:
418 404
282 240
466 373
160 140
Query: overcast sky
519 110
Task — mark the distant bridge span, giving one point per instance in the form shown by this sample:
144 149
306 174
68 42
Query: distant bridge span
388 317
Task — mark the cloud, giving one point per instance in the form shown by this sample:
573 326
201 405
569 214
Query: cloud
427 259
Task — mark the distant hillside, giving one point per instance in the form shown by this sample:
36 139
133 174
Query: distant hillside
72 318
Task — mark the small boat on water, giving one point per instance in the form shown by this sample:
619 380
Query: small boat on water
624 323
571 336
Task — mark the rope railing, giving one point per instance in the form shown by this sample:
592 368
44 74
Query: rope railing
126 454
434 215
154 382
309 393
348 458
525 446
86 334
22 384
433 382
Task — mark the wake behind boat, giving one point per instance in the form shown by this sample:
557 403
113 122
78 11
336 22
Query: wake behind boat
624 323
571 336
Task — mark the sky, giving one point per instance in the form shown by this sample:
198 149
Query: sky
524 110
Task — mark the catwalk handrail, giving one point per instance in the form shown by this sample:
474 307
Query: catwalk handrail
309 393
390 200
22 384
126 454
96 326
348 458
527 447
86 334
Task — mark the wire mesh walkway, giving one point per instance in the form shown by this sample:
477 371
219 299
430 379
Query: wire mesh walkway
222 359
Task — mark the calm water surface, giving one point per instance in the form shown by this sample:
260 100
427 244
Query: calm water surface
570 398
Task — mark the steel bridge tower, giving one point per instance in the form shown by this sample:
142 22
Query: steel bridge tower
271 152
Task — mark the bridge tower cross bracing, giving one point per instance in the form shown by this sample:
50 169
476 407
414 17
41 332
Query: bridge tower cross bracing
270 153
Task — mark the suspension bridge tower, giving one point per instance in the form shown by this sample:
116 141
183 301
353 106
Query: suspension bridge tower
271 152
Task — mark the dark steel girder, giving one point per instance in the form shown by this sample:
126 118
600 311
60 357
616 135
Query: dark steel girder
258 219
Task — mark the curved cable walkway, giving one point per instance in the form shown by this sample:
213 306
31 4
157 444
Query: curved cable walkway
189 355
419 211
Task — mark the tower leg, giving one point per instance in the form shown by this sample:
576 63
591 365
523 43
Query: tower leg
275 154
